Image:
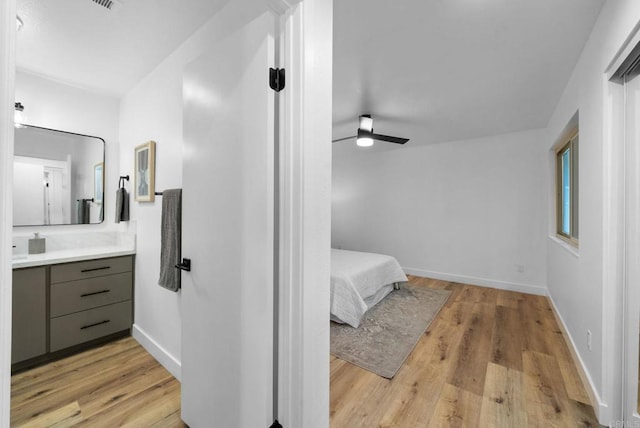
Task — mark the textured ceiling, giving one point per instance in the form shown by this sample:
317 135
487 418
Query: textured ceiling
443 70
84 44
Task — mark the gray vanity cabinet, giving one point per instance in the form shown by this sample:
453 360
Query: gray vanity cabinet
89 300
63 308
29 314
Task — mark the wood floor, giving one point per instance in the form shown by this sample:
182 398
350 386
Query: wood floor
118 384
491 358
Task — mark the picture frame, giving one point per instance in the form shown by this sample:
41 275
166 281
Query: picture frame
144 172
98 182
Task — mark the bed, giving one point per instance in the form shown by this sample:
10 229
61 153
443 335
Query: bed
359 281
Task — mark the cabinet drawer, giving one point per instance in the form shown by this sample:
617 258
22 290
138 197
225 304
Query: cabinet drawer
76 296
90 269
83 326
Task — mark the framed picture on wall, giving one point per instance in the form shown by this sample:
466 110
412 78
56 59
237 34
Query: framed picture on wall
145 172
98 182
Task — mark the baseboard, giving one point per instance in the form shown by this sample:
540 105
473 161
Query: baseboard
167 360
482 282
600 408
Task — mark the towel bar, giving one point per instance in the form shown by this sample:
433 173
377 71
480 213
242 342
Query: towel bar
185 265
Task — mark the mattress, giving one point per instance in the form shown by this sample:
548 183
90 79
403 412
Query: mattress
359 281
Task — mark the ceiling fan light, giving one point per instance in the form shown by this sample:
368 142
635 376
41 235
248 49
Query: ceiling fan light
364 142
366 123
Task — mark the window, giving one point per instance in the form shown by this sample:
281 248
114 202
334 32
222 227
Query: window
567 190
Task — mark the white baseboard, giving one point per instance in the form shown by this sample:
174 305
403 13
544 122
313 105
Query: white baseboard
600 408
167 360
482 282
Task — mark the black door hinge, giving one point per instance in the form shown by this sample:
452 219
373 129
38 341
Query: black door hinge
276 424
276 79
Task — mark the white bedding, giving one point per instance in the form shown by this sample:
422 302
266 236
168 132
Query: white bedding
359 281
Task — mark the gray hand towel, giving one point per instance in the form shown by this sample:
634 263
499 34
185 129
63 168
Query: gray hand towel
83 211
122 205
80 211
171 239
125 206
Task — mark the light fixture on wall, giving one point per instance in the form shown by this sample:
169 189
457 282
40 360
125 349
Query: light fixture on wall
18 115
19 23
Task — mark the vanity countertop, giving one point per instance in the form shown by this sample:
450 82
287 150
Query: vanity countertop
71 255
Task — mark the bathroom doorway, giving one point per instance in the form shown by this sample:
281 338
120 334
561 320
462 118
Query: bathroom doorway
308 232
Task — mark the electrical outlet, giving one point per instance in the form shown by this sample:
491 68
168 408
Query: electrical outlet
589 340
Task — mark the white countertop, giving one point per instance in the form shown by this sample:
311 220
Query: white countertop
71 255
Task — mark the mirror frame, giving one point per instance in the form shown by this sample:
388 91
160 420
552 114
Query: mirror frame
104 154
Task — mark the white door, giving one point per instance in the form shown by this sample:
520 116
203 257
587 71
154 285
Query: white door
227 298
54 196
632 298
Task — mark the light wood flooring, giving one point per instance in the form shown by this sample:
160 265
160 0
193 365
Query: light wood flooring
118 384
491 358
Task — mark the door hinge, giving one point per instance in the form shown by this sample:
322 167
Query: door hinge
276 79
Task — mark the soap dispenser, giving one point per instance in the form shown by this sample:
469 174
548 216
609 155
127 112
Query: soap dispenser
36 244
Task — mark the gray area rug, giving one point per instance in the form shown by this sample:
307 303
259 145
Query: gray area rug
389 331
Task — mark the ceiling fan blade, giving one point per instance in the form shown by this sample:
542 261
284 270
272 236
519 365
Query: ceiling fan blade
343 139
389 139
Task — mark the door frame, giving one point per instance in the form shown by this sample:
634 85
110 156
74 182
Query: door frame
631 273
7 95
631 279
621 210
305 116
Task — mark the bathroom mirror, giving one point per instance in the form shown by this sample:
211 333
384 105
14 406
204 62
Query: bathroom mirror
58 177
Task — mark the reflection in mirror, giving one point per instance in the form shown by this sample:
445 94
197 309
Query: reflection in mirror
58 177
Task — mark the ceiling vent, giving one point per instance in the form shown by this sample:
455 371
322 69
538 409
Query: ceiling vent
107 4
104 3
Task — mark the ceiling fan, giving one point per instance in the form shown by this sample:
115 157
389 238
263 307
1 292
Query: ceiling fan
366 137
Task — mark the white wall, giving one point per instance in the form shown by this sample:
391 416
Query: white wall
55 105
7 78
152 110
472 211
585 286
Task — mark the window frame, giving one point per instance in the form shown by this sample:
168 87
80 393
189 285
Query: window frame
572 143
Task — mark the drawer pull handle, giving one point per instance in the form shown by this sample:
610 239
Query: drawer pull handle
98 268
95 292
93 325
